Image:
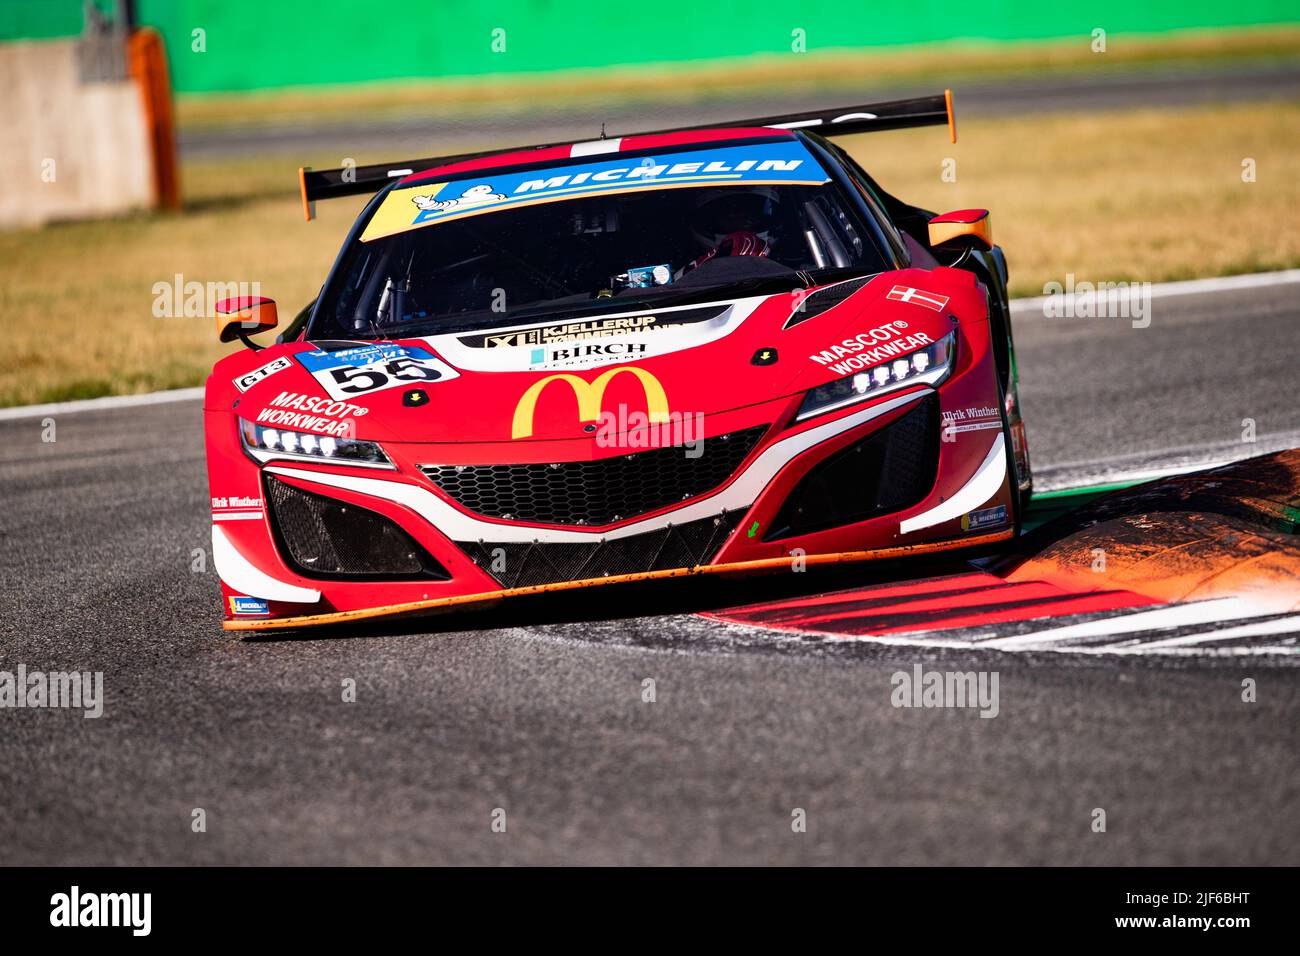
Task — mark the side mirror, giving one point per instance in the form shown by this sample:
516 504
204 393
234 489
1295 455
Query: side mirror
960 229
245 316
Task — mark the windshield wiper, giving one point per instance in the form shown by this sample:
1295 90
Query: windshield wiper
391 302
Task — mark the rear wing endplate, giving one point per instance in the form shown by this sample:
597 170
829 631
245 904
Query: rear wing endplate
317 184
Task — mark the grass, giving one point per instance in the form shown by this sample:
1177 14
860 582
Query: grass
834 72
1149 196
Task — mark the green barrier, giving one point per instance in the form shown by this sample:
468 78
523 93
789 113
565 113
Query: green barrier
39 19
234 45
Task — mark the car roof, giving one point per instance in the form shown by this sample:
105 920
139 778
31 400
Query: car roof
598 147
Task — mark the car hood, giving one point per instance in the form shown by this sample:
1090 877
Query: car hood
550 379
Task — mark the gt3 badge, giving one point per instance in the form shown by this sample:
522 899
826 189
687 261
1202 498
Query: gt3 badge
247 381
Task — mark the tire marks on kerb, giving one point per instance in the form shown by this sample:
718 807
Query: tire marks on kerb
1197 615
1223 627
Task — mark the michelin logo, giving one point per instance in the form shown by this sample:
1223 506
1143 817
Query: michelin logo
988 518
474 196
248 607
653 171
769 163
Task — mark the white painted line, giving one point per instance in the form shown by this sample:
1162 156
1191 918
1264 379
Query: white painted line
933 640
1179 615
1071 475
97 404
1249 651
1164 290
1078 482
1159 289
1283 625
1150 474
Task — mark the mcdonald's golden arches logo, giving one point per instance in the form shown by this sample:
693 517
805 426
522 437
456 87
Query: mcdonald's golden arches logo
589 396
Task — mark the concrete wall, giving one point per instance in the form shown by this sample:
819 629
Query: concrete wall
69 149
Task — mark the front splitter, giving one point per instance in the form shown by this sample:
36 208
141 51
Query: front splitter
490 597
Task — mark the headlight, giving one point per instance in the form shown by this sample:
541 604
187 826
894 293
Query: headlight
928 366
266 443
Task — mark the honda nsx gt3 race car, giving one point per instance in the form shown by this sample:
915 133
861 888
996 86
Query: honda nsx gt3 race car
692 351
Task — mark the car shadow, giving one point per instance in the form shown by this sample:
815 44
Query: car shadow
660 597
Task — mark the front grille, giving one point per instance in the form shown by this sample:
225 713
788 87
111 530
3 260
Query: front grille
323 537
686 545
889 470
595 492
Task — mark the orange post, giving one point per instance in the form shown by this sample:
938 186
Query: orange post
148 61
308 207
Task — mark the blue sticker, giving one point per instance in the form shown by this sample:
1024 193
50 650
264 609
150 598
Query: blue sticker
643 277
321 360
787 162
248 607
988 518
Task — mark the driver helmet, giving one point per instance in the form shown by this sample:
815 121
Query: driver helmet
720 213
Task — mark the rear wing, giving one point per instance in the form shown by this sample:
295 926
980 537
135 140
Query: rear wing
317 184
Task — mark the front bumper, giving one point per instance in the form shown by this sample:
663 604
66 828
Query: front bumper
782 507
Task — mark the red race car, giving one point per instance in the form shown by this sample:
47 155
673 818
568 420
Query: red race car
693 351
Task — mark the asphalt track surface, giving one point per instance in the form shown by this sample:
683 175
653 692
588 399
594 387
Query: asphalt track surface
536 707
414 134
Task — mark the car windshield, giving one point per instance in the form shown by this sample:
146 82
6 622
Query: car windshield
692 226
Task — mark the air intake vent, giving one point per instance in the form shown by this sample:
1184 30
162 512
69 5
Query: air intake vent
326 538
595 492
889 470
825 299
680 546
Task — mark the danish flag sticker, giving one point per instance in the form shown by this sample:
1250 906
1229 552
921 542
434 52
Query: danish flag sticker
902 293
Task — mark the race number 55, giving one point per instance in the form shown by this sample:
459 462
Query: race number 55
353 380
